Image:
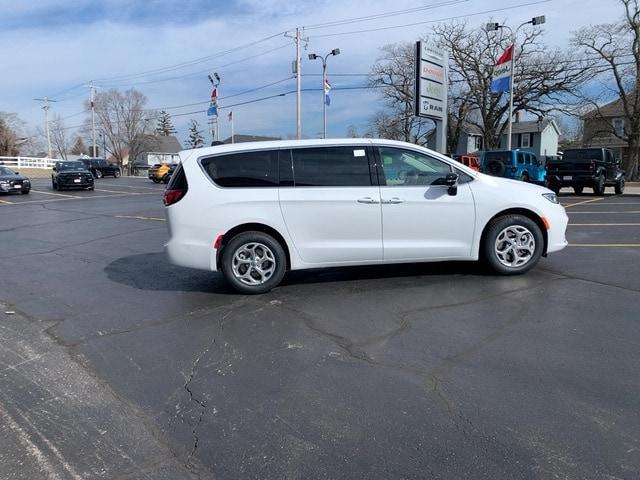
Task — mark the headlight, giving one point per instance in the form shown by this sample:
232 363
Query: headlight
552 197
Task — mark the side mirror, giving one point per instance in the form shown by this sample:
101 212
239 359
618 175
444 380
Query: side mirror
17 173
451 181
54 169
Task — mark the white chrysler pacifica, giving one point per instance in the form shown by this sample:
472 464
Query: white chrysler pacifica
255 210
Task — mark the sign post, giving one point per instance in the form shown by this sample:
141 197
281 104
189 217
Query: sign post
431 88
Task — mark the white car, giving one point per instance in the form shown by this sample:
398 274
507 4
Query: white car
256 210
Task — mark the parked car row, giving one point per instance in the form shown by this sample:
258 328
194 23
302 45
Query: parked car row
595 168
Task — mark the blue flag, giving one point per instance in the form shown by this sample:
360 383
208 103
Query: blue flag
212 111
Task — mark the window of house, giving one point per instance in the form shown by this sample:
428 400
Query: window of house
618 126
478 143
526 140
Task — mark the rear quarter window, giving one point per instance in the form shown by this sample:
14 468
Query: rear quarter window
257 169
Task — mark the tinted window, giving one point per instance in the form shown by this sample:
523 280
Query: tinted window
71 166
331 167
249 169
520 157
503 157
582 155
406 167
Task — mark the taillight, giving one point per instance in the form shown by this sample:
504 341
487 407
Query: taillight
173 196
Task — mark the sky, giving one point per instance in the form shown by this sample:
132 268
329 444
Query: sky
166 49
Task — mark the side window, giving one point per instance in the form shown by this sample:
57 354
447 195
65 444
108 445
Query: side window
528 159
406 167
243 170
520 158
331 167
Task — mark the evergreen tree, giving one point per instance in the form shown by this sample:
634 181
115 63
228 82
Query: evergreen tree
195 140
78 147
165 126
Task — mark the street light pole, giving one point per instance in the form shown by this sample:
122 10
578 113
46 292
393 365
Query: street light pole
495 26
313 56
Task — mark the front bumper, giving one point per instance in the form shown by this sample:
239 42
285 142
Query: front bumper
557 232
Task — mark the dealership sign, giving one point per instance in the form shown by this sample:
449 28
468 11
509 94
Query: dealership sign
431 82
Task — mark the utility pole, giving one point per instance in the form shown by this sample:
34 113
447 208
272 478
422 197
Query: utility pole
93 116
46 107
297 70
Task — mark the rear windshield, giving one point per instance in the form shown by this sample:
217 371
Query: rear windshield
71 166
584 155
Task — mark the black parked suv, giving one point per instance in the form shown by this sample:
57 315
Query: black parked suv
99 167
595 168
71 174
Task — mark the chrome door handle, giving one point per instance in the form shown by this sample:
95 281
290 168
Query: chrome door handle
393 200
367 200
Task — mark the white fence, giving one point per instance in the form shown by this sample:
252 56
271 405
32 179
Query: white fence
28 162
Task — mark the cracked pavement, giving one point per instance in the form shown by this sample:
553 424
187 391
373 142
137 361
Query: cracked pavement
410 371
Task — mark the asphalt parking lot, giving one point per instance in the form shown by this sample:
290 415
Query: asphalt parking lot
115 364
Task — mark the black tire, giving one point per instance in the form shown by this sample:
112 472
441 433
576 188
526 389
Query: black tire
619 187
99 174
496 168
155 180
599 186
578 190
259 241
116 173
26 191
490 244
524 178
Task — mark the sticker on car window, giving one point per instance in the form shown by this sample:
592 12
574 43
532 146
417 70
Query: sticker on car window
358 153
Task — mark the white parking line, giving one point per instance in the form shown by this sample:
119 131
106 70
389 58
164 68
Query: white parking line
57 194
626 245
604 224
583 202
6 202
140 217
573 212
113 191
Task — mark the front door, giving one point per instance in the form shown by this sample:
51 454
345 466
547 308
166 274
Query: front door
420 220
332 206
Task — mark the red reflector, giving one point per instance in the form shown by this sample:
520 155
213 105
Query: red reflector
218 242
172 196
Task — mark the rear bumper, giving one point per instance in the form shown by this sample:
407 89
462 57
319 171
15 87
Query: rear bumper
578 180
191 254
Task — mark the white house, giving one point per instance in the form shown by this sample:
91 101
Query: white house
539 137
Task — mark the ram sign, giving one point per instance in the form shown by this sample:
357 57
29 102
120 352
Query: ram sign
431 82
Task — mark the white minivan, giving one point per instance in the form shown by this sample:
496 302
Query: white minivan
255 210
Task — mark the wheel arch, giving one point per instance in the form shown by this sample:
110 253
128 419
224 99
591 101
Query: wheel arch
253 227
518 211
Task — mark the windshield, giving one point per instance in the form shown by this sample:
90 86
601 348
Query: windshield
584 155
71 166
6 171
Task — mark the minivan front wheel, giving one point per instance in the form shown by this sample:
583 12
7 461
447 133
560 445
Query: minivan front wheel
512 244
253 262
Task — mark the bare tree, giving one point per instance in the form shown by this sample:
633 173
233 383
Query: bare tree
10 132
616 50
546 79
124 121
394 75
59 139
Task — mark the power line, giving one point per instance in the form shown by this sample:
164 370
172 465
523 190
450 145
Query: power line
383 15
484 12
190 62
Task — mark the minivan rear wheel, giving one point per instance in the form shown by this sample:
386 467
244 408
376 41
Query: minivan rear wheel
253 262
512 244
